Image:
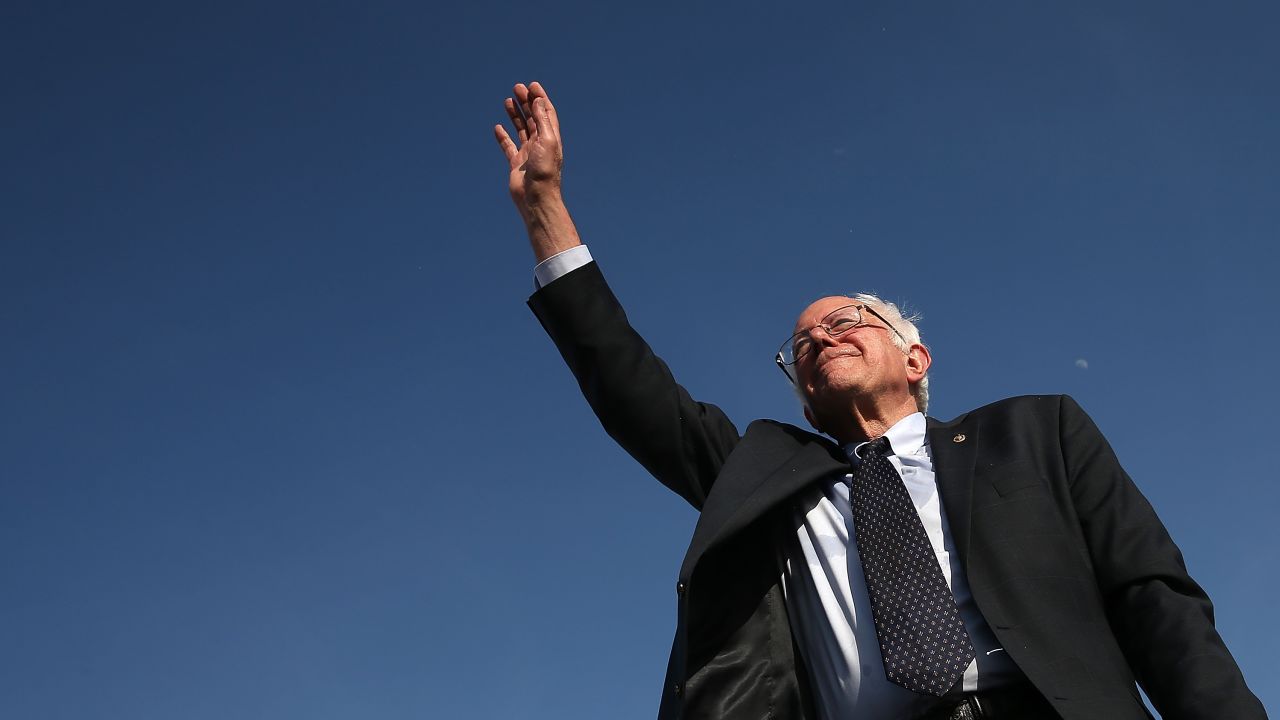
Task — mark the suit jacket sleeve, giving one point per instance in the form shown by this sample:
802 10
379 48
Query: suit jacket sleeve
1162 618
682 442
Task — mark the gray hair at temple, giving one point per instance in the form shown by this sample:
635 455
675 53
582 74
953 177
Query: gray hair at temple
905 324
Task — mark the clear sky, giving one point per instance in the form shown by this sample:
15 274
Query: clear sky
280 439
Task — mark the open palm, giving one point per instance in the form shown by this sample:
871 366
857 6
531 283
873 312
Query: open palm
538 158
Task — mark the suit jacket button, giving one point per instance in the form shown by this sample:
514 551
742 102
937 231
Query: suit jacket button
680 588
678 689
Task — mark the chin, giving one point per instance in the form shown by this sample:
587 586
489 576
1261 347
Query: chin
834 393
838 383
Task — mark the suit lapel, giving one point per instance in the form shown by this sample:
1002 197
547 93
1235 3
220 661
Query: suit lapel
771 464
954 448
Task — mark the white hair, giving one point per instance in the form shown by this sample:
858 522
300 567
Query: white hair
905 324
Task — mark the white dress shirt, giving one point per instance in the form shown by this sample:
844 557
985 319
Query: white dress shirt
827 598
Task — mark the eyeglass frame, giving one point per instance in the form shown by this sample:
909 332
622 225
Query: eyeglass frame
783 365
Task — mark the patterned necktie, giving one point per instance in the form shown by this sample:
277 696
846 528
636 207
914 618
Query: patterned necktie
922 640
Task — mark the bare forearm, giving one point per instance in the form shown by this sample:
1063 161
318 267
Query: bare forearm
551 229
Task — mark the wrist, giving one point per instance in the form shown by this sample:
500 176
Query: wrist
542 206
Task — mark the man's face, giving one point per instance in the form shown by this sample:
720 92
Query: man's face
862 362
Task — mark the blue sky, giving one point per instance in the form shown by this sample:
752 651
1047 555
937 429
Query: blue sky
280 439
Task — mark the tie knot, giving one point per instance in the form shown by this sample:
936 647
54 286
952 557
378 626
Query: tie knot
877 448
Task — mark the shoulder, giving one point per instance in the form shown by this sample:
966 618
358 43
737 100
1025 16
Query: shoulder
1018 406
1034 414
780 433
769 442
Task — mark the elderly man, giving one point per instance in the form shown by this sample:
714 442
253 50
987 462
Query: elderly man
1000 565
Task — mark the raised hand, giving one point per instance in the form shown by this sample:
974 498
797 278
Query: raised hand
535 170
538 158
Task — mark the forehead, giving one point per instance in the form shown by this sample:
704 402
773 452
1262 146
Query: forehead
820 308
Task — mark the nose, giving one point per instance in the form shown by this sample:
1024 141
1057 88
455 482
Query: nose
821 335
820 339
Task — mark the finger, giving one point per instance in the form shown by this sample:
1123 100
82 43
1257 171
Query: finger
504 142
517 119
536 88
542 111
526 107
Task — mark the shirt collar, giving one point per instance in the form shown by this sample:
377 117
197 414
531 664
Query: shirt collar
907 436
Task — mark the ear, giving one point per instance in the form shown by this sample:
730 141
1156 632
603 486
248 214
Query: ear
808 415
918 362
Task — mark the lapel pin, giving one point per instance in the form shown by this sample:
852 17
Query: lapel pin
958 438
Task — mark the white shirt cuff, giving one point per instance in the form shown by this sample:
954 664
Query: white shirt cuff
559 265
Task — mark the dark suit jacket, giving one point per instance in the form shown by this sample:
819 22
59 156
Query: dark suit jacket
1066 559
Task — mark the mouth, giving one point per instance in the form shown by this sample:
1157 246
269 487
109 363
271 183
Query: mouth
826 358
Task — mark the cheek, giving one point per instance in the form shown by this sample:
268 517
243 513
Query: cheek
804 377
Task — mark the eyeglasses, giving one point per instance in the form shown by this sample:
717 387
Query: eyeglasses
834 324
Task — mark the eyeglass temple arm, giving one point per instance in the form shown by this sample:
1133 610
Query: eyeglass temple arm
784 368
887 324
